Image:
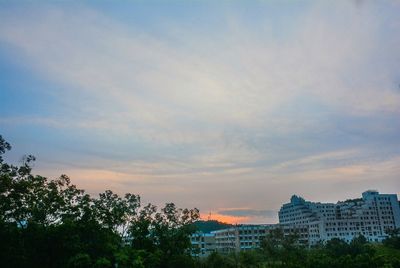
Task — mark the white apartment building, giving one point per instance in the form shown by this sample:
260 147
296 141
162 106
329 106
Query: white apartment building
241 237
203 244
370 216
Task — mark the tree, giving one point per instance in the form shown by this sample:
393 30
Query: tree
283 248
393 240
52 223
216 260
164 233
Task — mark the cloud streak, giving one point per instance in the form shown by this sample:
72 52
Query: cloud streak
247 106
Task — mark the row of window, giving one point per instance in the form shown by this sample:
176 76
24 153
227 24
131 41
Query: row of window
352 233
251 237
252 232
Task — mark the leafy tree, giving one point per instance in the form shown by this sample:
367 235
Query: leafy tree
80 260
216 260
283 249
337 247
250 259
165 232
52 223
211 225
394 238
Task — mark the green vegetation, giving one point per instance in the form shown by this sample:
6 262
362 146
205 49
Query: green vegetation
52 223
211 225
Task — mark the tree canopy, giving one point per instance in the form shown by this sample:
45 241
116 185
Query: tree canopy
52 223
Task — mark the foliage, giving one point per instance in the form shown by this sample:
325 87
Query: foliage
394 239
216 260
283 249
52 223
211 225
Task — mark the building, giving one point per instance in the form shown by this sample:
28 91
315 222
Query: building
203 244
370 216
241 237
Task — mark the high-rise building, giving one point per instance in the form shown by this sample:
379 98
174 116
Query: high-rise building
370 216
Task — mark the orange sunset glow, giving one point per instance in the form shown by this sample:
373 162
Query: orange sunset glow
225 218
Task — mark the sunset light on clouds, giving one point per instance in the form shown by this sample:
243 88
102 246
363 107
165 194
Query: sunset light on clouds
230 107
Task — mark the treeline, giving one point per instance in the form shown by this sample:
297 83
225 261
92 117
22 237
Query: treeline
211 225
52 223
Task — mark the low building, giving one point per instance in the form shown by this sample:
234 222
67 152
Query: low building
203 244
241 237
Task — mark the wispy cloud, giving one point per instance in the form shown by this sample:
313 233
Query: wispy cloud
242 215
246 106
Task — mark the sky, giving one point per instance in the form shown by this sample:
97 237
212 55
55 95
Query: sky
227 106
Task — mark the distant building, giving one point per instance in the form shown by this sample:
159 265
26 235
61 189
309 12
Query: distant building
241 237
370 216
203 244
313 222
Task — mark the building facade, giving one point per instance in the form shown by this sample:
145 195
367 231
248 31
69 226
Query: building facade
370 216
203 244
241 237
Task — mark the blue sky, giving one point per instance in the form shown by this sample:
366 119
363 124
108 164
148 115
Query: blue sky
230 107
